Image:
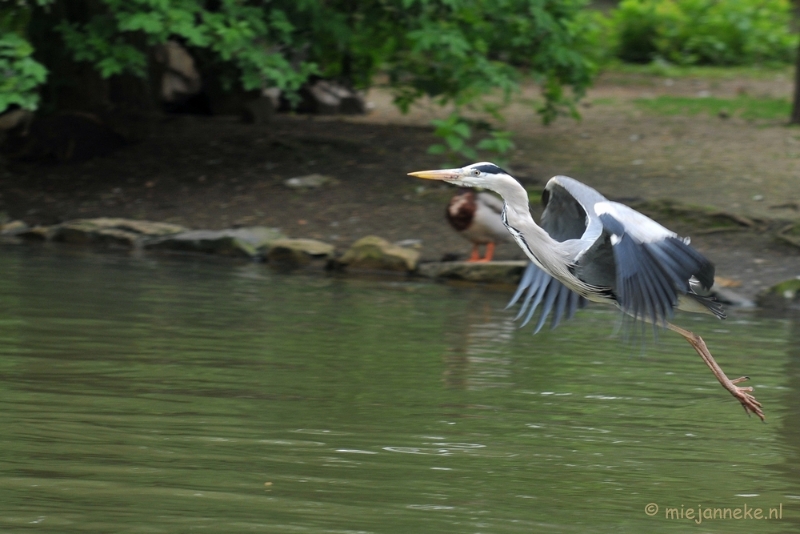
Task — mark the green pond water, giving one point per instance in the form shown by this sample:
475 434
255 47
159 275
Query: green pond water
181 395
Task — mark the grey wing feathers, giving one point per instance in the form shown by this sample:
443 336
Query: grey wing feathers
541 288
564 218
569 210
651 276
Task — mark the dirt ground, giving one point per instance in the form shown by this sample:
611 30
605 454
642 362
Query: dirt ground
216 172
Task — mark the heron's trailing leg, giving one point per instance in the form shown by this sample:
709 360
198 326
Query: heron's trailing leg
476 257
749 403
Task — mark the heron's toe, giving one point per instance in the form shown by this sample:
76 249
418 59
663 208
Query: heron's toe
748 402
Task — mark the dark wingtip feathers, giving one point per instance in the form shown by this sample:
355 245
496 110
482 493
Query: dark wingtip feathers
541 288
652 275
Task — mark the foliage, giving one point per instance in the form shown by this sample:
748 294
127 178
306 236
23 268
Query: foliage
688 32
20 73
455 51
458 50
499 142
746 107
248 36
456 132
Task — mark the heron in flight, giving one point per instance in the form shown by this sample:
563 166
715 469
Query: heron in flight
589 248
476 216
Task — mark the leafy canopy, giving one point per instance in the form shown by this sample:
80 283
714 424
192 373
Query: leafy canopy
456 51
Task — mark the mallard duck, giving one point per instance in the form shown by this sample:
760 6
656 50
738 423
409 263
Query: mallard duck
476 216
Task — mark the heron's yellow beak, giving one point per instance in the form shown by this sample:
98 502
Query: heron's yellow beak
445 174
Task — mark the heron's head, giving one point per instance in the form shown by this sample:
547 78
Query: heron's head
483 174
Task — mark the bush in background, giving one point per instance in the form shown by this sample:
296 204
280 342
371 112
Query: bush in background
704 32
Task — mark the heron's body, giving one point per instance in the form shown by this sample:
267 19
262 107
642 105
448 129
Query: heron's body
590 248
608 252
476 216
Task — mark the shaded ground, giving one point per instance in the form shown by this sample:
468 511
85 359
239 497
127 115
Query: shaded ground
216 172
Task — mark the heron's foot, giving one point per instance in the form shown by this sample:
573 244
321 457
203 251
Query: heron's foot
743 395
479 260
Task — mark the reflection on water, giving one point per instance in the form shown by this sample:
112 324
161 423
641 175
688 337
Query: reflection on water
169 396
477 340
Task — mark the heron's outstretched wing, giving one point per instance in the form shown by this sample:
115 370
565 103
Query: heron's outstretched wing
568 214
653 267
569 210
541 288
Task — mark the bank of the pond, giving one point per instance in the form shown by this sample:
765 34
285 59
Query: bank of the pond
728 183
270 245
259 244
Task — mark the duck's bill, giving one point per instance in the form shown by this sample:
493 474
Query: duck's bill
444 174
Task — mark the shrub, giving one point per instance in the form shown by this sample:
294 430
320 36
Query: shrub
20 74
704 32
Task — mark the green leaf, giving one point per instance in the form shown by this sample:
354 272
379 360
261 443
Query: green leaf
462 129
455 143
147 22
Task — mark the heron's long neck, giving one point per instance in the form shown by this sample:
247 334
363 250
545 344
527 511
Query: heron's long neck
538 239
518 214
534 240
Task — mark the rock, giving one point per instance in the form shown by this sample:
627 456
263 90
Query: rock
322 98
296 252
782 296
252 241
37 233
310 181
374 252
13 228
328 97
496 272
114 231
352 104
10 230
181 85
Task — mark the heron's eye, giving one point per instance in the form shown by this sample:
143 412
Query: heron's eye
476 172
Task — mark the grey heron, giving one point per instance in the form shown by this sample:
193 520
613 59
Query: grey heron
476 216
589 248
